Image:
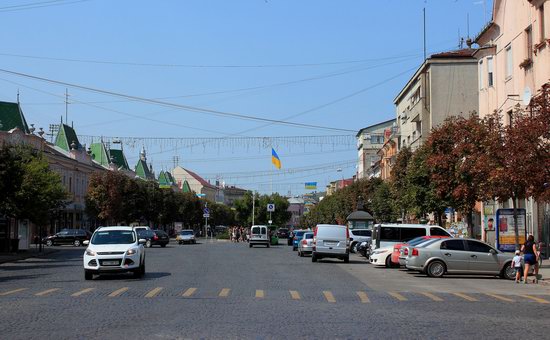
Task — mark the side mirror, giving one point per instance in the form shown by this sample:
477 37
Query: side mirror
86 242
493 252
142 241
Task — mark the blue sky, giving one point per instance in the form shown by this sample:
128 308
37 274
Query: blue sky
342 61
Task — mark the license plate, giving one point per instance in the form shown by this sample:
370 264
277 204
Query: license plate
110 263
330 243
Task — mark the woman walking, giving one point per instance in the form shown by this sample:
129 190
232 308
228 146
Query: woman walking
530 258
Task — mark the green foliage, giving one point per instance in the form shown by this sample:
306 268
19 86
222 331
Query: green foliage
243 208
399 184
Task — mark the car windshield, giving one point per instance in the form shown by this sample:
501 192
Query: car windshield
114 237
186 232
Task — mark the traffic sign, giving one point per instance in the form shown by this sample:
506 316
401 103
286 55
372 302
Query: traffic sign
206 211
206 215
270 207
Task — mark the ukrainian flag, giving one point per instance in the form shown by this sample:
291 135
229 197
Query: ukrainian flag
275 159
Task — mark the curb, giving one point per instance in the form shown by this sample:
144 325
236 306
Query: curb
19 257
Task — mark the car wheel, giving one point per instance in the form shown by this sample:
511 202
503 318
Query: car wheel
88 275
268 245
76 243
346 259
163 245
313 258
49 243
436 269
180 243
250 245
508 273
148 244
353 247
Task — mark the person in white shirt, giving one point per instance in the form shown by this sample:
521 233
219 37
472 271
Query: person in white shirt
516 263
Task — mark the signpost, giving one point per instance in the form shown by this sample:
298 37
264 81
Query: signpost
270 209
206 215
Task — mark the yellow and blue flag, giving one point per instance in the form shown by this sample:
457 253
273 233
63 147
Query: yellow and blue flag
311 185
275 159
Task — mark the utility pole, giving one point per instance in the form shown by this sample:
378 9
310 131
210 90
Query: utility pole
253 205
424 33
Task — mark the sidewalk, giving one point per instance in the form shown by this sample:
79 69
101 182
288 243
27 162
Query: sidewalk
544 271
25 254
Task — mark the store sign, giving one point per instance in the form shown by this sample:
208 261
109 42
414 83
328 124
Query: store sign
505 235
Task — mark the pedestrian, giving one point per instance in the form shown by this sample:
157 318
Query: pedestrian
530 257
237 235
516 264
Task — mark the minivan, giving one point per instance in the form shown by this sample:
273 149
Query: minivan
259 234
330 241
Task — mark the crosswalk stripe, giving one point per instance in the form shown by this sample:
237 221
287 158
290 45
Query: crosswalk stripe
537 299
13 291
46 292
154 292
499 297
398 296
432 296
260 293
328 295
224 292
83 291
363 297
118 292
294 295
189 292
465 297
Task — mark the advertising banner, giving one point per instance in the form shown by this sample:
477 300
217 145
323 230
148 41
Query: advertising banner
506 239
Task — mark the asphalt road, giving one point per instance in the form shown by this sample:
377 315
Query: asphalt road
227 290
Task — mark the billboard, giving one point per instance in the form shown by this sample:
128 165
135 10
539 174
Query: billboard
505 236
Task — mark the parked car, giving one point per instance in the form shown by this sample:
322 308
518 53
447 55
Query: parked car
385 235
381 256
305 246
68 236
405 251
357 236
186 236
460 256
297 237
282 232
259 235
397 247
114 250
154 237
330 241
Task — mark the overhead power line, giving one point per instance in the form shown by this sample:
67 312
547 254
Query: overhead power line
179 106
42 4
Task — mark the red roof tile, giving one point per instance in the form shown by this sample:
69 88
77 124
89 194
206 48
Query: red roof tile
463 53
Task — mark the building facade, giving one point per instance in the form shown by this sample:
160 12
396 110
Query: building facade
187 179
513 64
369 141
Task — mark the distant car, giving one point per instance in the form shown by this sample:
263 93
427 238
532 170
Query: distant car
460 256
186 236
357 236
68 236
282 233
114 250
154 237
297 237
259 235
330 241
305 246
397 247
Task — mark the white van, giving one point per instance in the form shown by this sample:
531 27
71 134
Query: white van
385 236
330 241
259 234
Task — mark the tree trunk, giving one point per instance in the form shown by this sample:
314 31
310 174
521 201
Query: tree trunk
470 222
439 217
516 230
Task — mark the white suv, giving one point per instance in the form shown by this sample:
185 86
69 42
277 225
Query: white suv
114 250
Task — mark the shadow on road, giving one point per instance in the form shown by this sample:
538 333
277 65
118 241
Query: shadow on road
126 276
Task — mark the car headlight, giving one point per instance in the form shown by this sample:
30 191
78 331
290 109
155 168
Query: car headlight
379 251
90 252
131 252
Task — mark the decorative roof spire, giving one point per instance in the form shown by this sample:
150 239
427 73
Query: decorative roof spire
142 154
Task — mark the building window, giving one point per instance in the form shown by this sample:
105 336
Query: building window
510 115
481 75
529 42
509 61
70 184
490 71
541 23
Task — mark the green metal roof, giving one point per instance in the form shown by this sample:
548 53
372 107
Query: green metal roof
185 187
11 117
65 137
142 170
99 153
119 159
165 180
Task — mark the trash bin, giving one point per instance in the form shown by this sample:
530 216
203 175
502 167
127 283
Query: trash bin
14 245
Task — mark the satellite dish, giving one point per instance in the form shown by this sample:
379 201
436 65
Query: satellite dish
527 95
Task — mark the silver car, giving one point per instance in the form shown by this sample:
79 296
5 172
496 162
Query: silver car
305 245
186 236
460 256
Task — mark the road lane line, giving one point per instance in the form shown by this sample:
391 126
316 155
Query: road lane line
46 292
465 297
432 296
83 291
537 299
328 295
260 293
154 292
499 297
13 291
118 292
294 295
189 292
398 296
363 297
224 292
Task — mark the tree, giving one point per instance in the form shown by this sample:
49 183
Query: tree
460 163
383 207
106 198
398 180
10 180
243 208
